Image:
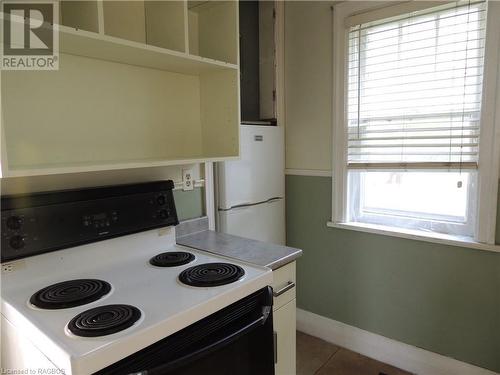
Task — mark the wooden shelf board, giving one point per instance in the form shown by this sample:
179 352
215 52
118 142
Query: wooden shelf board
199 6
103 47
89 167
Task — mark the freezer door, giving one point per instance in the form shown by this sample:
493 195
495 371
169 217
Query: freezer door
262 222
260 173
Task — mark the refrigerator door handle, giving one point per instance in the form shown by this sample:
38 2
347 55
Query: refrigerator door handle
243 205
271 200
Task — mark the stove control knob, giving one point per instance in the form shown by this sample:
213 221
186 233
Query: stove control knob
14 222
161 200
17 242
163 214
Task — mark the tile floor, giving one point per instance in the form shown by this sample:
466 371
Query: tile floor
318 357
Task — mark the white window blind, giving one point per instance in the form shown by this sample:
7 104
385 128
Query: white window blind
414 89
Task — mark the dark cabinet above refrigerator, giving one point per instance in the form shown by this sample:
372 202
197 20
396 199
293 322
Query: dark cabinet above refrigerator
257 62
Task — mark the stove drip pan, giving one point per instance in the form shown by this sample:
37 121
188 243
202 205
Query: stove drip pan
211 274
104 320
70 293
171 259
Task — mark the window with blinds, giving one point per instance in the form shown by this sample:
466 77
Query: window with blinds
413 109
414 89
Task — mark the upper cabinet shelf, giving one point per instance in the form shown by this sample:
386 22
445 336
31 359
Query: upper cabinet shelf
175 36
210 26
140 84
82 15
103 47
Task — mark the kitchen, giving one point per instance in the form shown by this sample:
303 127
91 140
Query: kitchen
188 166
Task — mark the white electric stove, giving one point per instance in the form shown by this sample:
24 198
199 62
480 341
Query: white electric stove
116 298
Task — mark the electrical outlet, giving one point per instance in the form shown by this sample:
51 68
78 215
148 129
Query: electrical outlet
187 179
13 266
8 267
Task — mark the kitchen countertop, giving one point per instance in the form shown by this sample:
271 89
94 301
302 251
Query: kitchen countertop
255 252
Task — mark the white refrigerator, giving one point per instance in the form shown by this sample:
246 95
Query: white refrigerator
251 191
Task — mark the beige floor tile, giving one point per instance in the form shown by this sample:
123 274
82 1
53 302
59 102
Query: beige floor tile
312 353
345 362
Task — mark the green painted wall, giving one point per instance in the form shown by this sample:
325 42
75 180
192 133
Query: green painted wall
189 204
497 232
441 298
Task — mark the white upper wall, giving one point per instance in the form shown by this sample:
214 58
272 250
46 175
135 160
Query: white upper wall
308 84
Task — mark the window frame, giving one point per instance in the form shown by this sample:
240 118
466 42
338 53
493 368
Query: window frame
345 14
404 222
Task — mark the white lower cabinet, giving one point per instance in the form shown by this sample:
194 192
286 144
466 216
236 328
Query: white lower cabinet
284 314
284 328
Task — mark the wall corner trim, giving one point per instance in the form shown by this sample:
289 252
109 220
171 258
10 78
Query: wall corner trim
398 354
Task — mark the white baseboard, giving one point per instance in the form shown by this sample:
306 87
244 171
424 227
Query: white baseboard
380 348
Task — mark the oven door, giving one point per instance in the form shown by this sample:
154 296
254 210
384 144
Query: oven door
235 340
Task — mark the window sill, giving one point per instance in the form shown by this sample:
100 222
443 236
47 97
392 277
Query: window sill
416 235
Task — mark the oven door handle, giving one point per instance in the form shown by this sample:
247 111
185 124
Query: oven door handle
207 349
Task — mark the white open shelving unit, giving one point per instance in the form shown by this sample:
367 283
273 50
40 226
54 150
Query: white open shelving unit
140 83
